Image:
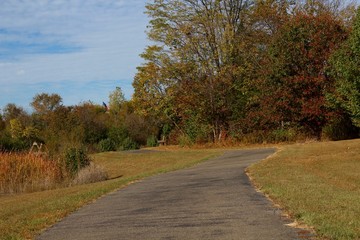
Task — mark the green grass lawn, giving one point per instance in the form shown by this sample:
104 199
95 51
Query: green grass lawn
23 216
317 184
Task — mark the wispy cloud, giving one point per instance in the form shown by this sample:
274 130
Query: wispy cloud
15 44
84 41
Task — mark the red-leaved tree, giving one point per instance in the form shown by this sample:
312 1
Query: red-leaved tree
295 80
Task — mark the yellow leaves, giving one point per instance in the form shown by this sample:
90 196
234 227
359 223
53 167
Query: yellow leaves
16 128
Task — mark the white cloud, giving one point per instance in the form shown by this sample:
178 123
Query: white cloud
107 36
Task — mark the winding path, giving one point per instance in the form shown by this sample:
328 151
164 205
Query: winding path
213 200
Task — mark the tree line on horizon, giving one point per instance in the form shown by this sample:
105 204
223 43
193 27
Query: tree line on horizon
219 70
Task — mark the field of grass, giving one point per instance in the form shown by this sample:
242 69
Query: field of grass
23 216
318 184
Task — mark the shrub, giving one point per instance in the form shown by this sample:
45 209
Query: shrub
106 145
128 144
8 144
152 141
255 137
340 128
90 174
282 135
185 141
197 131
76 159
118 135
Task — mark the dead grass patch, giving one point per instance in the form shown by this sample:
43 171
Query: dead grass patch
20 172
317 184
90 174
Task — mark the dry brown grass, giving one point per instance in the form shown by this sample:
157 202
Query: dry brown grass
318 184
20 172
90 174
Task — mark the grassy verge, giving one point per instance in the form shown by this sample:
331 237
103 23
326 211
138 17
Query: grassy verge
318 184
22 216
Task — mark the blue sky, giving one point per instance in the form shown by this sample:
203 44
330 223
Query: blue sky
79 49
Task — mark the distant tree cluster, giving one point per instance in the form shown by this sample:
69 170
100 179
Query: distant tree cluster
86 126
262 70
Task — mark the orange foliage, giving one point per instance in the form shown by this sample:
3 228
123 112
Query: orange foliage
20 172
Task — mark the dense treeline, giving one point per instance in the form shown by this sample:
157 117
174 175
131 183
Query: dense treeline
264 70
229 70
87 126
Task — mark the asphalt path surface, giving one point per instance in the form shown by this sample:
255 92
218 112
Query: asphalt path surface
212 200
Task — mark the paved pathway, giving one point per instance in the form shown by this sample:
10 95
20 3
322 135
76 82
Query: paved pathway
213 200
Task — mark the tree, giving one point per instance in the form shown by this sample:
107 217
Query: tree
117 99
2 123
90 120
341 10
296 82
346 71
43 103
12 111
200 64
16 128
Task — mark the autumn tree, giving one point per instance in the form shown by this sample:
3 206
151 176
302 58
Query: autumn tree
12 111
2 123
296 83
44 102
199 66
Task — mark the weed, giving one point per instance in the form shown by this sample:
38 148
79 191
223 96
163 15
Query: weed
76 159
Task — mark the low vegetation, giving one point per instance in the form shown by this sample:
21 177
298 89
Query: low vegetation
24 215
317 184
21 172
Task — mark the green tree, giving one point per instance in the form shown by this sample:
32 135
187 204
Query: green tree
117 99
346 70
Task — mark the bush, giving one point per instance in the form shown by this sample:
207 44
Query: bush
282 135
197 131
106 145
152 141
90 174
340 128
8 144
185 141
128 144
255 137
76 159
118 135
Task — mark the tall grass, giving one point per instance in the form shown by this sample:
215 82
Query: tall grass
20 172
